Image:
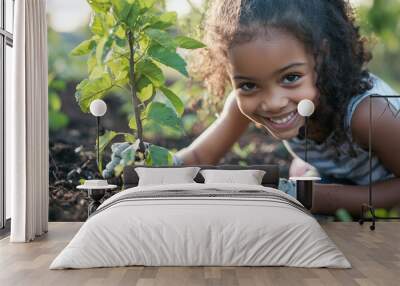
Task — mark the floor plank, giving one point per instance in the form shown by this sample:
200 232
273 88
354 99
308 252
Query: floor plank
374 255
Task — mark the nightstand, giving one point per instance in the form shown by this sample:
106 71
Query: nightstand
95 192
304 189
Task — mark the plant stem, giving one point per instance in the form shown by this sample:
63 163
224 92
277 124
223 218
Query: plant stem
135 100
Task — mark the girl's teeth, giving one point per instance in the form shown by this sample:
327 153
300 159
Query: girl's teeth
283 120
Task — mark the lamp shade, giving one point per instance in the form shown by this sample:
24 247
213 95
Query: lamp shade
98 107
305 107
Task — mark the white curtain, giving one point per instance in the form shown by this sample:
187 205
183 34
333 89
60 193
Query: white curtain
27 124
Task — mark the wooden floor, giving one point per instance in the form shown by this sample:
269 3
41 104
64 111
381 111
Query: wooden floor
374 255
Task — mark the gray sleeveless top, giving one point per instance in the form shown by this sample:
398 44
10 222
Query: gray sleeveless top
354 169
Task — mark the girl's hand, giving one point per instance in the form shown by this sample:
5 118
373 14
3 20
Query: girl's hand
299 168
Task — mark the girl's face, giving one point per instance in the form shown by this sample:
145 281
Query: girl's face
271 76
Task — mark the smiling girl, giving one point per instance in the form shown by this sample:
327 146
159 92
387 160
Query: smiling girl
275 53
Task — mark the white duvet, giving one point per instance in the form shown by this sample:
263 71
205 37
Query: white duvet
207 230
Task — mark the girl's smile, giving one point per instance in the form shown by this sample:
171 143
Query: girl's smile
271 75
283 122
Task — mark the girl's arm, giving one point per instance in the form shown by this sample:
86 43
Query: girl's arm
385 145
217 139
327 198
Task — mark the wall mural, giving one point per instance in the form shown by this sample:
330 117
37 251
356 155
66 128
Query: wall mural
138 59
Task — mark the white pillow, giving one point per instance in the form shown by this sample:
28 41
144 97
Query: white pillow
162 176
249 177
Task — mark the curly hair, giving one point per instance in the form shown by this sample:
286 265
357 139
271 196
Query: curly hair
326 28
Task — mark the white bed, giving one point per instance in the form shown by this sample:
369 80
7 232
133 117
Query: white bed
222 225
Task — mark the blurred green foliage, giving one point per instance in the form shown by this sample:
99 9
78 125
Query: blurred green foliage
57 118
343 215
384 213
380 22
61 71
243 152
61 65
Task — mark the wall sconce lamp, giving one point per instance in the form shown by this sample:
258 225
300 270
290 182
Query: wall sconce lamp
98 108
306 109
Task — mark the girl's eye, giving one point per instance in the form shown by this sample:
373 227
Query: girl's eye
247 87
291 78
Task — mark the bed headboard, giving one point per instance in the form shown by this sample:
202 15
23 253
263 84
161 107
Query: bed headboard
270 179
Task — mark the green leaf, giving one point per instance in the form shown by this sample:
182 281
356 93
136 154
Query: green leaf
109 20
168 58
188 43
133 16
97 72
146 93
103 48
91 62
84 48
162 38
164 21
163 115
169 17
132 123
96 24
174 99
120 9
127 11
100 6
146 4
104 140
159 156
89 90
120 32
120 42
151 71
119 67
129 138
143 82
100 50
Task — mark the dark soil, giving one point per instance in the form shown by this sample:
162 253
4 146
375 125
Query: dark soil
70 162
